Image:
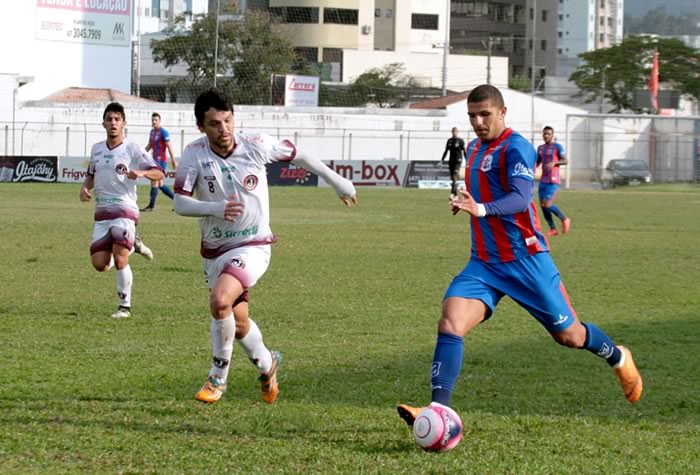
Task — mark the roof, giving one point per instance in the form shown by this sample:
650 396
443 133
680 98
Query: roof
89 94
440 102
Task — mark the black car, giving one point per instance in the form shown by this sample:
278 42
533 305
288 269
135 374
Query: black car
625 172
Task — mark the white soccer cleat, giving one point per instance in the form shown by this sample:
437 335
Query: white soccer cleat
121 313
141 248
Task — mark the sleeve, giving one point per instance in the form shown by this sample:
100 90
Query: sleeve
165 135
520 161
141 159
274 150
515 201
538 160
187 173
447 147
561 150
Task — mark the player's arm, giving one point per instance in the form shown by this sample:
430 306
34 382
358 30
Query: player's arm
447 149
142 164
343 187
562 157
153 174
172 155
228 209
88 185
515 201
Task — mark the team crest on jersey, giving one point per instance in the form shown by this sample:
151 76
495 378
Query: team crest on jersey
486 163
250 182
121 169
237 262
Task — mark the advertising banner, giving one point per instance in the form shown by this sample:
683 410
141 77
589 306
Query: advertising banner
26 168
288 174
427 171
74 170
99 22
369 172
301 91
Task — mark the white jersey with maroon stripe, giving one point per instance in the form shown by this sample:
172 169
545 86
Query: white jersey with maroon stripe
115 194
210 177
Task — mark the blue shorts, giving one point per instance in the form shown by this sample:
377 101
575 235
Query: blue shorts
533 282
547 191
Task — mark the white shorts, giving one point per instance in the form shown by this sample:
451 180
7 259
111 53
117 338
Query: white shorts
120 231
247 264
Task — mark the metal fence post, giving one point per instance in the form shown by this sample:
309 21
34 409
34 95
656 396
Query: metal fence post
408 146
67 140
21 145
400 146
182 141
350 146
342 148
7 139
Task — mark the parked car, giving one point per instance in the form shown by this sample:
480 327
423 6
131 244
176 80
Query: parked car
625 172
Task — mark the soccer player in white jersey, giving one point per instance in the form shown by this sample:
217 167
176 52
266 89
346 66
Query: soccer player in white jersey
115 165
222 180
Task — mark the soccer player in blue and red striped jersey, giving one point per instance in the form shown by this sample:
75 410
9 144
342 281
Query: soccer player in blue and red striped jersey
509 256
551 156
158 145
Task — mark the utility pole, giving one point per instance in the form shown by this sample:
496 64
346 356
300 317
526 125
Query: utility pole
446 50
488 61
601 93
532 75
138 50
216 41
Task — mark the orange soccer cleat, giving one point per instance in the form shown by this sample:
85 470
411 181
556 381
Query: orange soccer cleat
268 381
629 376
553 232
408 413
212 390
566 225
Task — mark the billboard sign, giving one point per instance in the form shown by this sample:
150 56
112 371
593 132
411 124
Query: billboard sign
288 174
99 22
427 171
22 169
369 172
301 90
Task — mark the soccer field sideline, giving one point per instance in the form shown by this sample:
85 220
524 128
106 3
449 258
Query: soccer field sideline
351 298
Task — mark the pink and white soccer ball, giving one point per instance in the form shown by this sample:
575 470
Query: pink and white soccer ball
437 428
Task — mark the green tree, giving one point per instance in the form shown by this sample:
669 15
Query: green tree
618 71
250 50
384 87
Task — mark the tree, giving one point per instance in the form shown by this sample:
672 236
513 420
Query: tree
250 50
384 87
616 72
656 21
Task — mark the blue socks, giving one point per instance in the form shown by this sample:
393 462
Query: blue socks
447 363
165 189
154 195
599 343
548 217
557 212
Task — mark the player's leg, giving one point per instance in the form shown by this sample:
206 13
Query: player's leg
123 233
152 198
545 202
454 176
250 339
165 188
101 247
539 289
468 301
556 211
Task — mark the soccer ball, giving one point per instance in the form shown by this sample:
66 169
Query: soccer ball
437 428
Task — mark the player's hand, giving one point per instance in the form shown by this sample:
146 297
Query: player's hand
549 166
233 208
464 202
349 200
135 174
85 194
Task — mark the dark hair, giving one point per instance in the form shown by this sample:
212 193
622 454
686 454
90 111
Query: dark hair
155 114
486 92
114 107
208 100
547 127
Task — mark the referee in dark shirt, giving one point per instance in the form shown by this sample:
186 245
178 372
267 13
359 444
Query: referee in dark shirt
455 146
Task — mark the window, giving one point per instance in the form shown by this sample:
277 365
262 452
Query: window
543 45
601 37
332 55
340 16
602 3
532 14
421 21
295 14
561 17
544 15
389 13
309 54
602 21
559 34
529 44
559 51
377 13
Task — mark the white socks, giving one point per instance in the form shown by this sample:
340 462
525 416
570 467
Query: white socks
124 281
222 334
255 349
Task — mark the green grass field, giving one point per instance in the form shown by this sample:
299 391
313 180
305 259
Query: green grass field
351 298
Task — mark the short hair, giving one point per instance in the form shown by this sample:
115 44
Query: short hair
453 129
155 114
212 98
486 92
547 127
114 107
